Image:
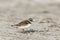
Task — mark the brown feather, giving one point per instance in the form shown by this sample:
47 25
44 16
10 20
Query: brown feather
23 23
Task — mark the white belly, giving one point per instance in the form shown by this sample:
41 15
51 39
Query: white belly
22 27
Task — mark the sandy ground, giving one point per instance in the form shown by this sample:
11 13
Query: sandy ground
45 13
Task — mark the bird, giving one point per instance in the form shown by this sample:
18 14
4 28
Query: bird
24 24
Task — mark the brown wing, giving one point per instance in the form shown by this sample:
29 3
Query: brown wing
23 23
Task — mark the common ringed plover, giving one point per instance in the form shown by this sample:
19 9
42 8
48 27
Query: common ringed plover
24 24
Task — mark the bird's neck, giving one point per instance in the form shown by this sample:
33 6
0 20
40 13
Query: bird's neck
29 21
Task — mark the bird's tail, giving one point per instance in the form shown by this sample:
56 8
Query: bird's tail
14 26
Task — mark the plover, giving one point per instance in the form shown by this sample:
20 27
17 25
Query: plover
24 24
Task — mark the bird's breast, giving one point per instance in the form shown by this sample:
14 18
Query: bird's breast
26 26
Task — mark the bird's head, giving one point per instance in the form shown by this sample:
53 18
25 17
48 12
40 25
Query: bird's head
30 19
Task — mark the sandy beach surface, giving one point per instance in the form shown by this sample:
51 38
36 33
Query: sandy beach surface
46 14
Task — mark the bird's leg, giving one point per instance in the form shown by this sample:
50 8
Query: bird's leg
23 31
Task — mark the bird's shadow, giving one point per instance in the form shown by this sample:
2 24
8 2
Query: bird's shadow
29 31
32 30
